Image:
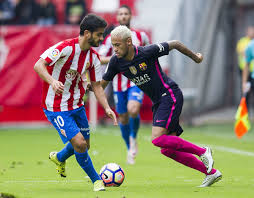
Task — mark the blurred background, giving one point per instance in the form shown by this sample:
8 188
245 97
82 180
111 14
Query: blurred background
212 90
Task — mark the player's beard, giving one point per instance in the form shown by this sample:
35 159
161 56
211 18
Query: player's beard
93 43
126 24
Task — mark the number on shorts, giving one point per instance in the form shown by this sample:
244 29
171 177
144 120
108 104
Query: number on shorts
59 121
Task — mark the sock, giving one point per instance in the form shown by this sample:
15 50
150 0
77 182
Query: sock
186 159
178 144
86 164
134 126
125 130
65 153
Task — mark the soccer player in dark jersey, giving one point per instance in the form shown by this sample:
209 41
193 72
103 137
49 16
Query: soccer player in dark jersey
141 66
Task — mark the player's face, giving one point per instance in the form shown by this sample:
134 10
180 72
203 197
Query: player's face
120 46
96 37
123 16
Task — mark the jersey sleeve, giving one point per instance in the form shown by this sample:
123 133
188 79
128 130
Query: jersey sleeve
157 50
52 54
249 54
111 70
95 73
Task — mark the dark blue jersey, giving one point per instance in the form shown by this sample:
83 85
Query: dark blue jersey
144 70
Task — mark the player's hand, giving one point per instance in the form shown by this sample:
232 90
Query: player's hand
246 87
57 87
112 115
199 58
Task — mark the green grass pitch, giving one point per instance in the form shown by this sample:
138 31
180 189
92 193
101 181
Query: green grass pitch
26 172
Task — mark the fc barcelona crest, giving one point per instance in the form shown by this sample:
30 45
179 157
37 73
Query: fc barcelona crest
133 70
143 66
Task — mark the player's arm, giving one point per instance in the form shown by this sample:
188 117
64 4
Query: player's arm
174 44
105 59
101 97
245 75
41 69
249 57
104 83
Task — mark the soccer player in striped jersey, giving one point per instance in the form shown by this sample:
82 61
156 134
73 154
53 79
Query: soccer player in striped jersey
63 68
127 96
141 66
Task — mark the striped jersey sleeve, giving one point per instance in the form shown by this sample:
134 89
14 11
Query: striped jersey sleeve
94 69
54 53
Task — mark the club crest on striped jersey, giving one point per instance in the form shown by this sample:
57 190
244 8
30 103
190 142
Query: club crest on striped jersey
55 52
143 66
71 74
133 70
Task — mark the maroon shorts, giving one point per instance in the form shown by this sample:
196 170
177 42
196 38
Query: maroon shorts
166 113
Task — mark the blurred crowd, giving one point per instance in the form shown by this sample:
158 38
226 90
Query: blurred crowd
41 12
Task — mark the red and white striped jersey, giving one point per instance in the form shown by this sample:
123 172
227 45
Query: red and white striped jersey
120 82
69 64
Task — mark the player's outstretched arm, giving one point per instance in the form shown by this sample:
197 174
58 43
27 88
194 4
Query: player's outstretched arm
41 69
101 97
174 44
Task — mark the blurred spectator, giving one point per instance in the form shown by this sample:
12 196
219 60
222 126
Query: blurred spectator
75 10
241 46
47 13
6 12
26 12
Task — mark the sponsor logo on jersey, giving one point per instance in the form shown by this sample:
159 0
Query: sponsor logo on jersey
143 66
55 52
133 70
140 80
63 132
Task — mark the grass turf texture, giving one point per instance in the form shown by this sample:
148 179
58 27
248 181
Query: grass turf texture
26 172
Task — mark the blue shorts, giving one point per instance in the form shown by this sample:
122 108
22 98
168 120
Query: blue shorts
121 98
69 123
167 112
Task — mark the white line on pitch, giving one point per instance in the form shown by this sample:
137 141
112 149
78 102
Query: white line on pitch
221 148
233 150
44 181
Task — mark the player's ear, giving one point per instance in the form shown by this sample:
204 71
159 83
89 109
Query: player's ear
87 34
129 41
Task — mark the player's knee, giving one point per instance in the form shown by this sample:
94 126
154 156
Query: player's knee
81 146
167 152
123 118
133 111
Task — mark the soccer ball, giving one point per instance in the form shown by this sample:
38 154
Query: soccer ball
112 174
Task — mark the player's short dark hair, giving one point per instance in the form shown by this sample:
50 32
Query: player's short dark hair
127 7
91 22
